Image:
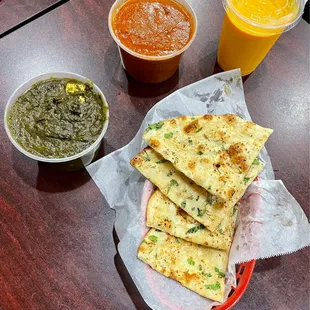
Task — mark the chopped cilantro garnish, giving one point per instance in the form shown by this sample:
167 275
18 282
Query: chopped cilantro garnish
197 198
161 161
169 174
190 262
199 129
207 275
192 118
195 229
183 204
177 240
153 238
146 157
209 188
256 161
213 287
220 273
199 153
173 182
157 230
191 197
168 135
200 212
246 180
190 141
155 126
210 200
235 209
219 228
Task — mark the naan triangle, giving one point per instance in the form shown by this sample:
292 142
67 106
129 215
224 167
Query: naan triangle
215 151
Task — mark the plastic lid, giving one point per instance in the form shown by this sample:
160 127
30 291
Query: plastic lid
275 15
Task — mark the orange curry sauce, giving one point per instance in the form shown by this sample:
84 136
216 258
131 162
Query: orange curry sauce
153 27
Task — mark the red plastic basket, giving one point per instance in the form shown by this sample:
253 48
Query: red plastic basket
243 276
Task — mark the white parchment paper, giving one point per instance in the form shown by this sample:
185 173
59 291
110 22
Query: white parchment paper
270 221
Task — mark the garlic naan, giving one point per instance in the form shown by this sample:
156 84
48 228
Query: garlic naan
205 208
198 268
215 151
164 215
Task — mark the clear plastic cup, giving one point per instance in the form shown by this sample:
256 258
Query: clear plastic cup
250 29
150 69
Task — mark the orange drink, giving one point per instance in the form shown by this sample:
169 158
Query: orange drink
251 28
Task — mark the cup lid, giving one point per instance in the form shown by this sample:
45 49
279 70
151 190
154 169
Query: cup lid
267 14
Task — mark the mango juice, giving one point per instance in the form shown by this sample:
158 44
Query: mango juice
250 29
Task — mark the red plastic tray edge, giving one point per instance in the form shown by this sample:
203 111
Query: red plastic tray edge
242 285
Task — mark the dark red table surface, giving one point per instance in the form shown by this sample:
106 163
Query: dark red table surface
14 12
57 249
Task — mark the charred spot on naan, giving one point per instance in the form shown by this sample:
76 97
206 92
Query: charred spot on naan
163 270
192 127
235 152
136 161
142 157
154 143
191 165
219 204
217 166
200 149
231 193
189 277
208 117
167 223
230 118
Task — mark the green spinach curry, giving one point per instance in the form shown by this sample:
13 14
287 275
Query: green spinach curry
57 118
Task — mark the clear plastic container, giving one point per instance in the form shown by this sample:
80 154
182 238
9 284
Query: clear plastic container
69 163
150 69
251 28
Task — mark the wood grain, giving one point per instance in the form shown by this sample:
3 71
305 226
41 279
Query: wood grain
57 247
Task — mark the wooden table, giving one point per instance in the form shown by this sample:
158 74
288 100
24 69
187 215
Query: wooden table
15 13
57 249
